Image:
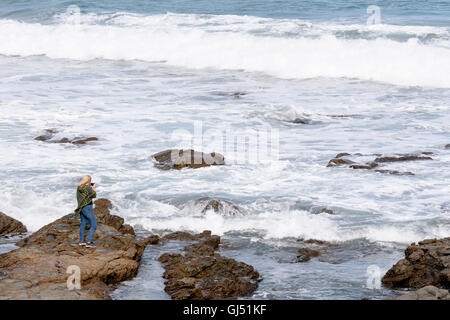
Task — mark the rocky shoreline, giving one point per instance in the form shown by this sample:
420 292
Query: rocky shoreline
40 267
426 267
47 260
426 263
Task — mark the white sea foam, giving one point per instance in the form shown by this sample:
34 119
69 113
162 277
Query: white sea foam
284 224
134 106
197 42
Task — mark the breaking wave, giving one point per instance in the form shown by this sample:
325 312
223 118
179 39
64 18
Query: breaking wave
285 48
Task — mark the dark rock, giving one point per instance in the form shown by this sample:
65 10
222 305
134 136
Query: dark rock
427 263
37 270
186 236
360 166
305 254
41 138
401 158
154 239
315 241
302 121
204 248
396 173
236 94
9 226
342 154
83 141
219 206
179 235
314 248
339 162
49 134
205 234
447 146
63 140
321 210
178 159
202 274
77 141
326 210
126 229
340 116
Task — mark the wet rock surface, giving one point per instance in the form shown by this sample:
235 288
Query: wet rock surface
313 207
186 236
314 248
10 226
236 94
339 162
82 140
179 159
402 158
426 263
302 120
220 206
154 239
342 159
201 273
38 269
425 293
396 173
305 254
334 253
50 133
319 210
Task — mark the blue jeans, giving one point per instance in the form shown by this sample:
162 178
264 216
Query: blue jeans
87 214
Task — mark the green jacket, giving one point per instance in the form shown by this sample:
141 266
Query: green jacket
85 194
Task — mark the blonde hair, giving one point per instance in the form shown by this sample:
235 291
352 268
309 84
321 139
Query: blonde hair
85 181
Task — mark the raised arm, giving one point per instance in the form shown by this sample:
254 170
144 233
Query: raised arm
92 193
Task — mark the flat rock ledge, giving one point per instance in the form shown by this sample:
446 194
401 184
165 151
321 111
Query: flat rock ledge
426 263
179 159
202 273
10 226
39 269
425 293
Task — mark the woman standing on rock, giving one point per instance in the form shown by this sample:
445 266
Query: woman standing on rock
85 194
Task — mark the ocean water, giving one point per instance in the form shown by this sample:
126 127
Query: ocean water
143 75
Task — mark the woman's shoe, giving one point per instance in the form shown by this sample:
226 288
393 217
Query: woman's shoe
82 244
90 245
